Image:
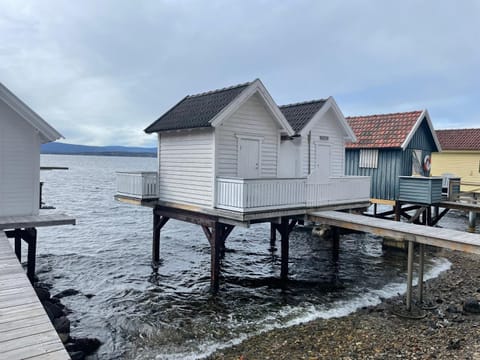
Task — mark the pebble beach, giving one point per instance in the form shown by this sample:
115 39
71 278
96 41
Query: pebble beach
449 327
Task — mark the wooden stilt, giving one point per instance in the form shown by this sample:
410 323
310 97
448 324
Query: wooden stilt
397 208
158 223
335 251
217 235
409 275
420 272
284 249
30 236
18 244
273 236
156 242
215 244
335 242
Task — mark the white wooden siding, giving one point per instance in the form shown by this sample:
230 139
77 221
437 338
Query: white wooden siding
327 126
19 165
252 119
186 167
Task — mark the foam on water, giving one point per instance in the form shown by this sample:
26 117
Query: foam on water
322 311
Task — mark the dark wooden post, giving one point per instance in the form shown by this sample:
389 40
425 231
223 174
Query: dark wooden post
216 236
397 208
335 243
273 236
158 223
156 241
284 231
18 244
215 244
30 236
335 252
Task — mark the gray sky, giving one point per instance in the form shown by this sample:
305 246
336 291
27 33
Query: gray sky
101 71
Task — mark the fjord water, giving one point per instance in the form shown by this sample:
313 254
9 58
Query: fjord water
171 315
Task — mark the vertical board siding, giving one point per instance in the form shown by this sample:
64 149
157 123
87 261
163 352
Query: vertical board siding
186 167
422 139
326 126
392 163
19 165
252 118
384 179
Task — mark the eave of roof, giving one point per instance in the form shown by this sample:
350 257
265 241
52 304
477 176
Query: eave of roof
45 130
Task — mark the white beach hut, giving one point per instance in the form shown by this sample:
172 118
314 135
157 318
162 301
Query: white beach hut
235 149
22 132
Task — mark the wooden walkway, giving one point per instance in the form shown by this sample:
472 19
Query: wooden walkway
25 329
412 233
17 222
446 238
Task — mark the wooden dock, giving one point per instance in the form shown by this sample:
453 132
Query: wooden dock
445 238
25 329
412 233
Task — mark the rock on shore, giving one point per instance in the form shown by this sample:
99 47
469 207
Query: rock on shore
451 330
78 348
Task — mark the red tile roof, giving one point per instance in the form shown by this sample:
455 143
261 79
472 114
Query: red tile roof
382 131
459 139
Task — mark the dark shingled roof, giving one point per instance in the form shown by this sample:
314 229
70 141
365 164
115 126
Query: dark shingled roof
195 111
459 139
382 131
299 114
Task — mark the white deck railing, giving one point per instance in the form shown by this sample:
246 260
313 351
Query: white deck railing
138 185
342 189
259 194
246 195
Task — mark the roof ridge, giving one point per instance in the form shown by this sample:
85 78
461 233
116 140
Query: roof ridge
458 129
302 103
219 90
386 114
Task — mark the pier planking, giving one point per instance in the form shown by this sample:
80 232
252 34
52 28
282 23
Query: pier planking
446 238
25 329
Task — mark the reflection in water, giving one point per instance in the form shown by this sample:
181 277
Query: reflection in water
171 314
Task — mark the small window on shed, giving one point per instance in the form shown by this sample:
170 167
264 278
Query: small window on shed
368 158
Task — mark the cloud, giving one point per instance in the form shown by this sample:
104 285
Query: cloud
102 71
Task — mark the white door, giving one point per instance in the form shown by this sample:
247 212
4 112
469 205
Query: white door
288 159
322 161
248 158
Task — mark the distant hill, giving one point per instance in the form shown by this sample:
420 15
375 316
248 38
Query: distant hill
72 149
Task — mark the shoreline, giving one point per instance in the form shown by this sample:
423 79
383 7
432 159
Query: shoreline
450 331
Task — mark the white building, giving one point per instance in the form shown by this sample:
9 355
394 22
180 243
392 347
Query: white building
235 149
22 132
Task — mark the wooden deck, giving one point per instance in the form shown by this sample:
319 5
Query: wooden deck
25 329
18 222
446 238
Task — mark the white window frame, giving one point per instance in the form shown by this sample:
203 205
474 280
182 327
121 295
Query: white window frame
368 159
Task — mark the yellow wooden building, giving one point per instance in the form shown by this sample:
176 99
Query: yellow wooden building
460 156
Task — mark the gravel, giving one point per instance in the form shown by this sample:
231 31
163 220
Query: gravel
449 331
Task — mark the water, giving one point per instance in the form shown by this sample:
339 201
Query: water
171 315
